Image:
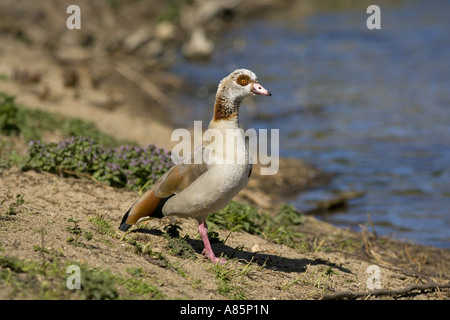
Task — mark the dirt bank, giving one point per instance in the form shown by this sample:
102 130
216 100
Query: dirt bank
112 73
329 260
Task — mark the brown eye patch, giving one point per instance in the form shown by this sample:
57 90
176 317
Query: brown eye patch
243 80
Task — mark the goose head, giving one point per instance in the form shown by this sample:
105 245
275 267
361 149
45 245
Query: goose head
238 85
242 83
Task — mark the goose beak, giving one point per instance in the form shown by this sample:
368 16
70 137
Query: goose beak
259 89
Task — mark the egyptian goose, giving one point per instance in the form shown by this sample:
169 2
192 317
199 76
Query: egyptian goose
195 190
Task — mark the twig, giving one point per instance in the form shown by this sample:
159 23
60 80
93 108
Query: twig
82 174
134 76
372 225
385 292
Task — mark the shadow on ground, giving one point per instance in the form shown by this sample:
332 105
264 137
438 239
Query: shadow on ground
268 261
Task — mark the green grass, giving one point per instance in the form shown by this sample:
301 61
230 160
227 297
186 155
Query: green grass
177 245
14 207
84 152
30 279
9 115
242 217
231 280
127 166
103 226
77 235
33 124
140 289
159 258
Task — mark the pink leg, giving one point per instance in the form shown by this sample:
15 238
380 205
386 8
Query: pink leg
203 230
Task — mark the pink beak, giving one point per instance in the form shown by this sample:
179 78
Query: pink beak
259 89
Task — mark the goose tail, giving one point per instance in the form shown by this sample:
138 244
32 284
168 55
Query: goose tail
148 205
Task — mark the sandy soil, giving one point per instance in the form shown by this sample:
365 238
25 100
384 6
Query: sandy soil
274 271
327 261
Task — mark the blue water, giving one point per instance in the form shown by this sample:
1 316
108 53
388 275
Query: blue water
372 106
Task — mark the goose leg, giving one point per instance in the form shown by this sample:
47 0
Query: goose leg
208 252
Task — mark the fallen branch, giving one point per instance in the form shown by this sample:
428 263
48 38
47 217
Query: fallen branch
385 292
82 175
145 84
337 202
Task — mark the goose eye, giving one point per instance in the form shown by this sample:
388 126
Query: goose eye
242 80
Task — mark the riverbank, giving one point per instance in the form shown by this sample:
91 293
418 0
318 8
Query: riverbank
48 222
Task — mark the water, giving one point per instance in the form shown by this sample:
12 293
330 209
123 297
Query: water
369 105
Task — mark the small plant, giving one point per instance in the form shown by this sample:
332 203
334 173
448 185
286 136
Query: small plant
238 216
288 215
135 272
9 115
81 128
77 232
75 229
32 123
97 285
214 237
172 230
178 246
141 289
103 226
13 208
47 280
125 166
228 279
38 248
15 120
159 258
322 281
